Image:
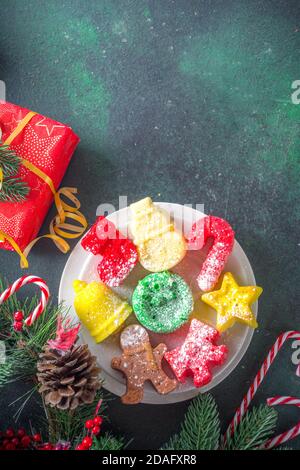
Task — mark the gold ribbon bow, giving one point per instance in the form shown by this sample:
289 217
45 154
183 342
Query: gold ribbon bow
58 228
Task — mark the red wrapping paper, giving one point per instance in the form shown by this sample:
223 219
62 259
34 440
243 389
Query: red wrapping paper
49 145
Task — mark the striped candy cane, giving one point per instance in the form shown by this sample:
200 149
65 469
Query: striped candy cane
259 378
291 433
22 281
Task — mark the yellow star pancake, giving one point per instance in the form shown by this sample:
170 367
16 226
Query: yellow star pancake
232 303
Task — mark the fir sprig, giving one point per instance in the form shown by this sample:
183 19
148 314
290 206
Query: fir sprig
201 427
108 442
254 430
69 425
22 349
6 372
13 188
9 161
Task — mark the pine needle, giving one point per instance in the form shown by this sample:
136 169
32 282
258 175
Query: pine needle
200 429
13 188
255 429
9 161
25 400
68 425
6 373
108 442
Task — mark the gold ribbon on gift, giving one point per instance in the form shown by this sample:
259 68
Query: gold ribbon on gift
58 228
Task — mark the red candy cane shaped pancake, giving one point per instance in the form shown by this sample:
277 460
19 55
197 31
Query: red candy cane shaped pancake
223 236
22 281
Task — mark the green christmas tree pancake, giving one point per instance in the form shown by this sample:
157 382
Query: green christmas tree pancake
162 302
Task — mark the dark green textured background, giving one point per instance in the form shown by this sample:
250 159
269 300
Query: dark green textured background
188 102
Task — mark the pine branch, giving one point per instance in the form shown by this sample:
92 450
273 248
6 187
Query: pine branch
201 427
13 189
255 428
9 161
23 348
68 425
108 442
6 373
174 443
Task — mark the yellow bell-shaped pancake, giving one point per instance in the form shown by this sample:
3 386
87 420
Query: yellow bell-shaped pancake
100 310
160 247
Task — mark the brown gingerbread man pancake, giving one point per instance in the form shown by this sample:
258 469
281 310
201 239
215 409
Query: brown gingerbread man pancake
139 362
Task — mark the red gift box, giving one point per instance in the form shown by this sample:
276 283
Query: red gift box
46 147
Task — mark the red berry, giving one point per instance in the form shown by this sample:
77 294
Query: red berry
10 446
6 441
89 424
18 316
80 447
87 442
25 441
37 437
10 433
47 446
98 420
15 441
21 432
96 430
18 325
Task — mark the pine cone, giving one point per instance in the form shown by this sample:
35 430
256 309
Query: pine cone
68 378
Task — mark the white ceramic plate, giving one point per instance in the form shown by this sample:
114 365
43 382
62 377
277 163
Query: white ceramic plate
82 265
